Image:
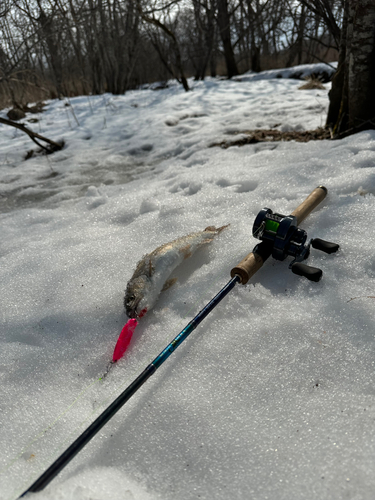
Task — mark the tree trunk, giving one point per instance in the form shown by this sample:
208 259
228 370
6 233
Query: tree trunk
54 53
178 60
223 22
352 98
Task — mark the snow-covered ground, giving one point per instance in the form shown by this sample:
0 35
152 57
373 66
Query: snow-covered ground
273 396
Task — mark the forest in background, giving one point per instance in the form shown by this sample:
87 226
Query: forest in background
56 48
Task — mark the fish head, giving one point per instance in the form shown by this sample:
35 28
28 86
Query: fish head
135 297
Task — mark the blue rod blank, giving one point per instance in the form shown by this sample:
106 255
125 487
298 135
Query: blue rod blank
113 408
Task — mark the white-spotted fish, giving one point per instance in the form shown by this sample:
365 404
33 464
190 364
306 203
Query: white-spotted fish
153 271
152 276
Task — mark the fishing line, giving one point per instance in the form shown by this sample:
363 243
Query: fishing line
68 408
102 403
210 284
280 237
215 280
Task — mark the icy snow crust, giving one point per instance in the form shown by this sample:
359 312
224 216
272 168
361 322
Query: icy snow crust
272 397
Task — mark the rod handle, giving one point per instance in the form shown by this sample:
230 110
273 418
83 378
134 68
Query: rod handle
255 259
247 267
311 202
252 262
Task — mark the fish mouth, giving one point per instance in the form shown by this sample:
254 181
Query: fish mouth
131 308
132 313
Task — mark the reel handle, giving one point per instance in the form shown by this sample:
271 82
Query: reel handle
309 272
324 246
255 259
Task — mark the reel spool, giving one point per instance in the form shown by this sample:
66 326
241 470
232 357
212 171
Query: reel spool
285 239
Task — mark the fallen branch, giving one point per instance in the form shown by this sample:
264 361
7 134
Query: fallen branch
362 297
52 145
365 125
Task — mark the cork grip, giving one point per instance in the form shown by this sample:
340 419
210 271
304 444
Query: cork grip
311 202
254 260
247 267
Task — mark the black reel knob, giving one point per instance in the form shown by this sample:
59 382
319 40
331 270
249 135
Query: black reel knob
324 246
309 272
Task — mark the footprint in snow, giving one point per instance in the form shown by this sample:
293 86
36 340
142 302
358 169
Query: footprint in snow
145 148
186 188
239 187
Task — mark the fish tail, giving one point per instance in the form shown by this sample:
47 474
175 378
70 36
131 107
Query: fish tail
215 230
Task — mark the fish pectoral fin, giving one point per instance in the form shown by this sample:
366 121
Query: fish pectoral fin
168 284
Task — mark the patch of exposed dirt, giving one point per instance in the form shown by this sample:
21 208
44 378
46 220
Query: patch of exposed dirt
272 135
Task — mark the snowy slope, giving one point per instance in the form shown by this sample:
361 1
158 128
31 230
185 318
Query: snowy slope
272 397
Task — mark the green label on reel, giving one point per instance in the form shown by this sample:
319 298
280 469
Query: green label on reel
272 226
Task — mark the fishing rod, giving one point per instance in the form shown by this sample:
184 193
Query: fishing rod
280 237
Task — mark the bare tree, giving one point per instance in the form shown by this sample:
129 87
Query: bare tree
70 47
201 35
163 23
352 98
4 8
329 11
224 23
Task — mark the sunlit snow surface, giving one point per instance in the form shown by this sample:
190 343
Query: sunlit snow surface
273 396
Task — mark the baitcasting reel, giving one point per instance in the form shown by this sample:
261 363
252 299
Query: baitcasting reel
285 239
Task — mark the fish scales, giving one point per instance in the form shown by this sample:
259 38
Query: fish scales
152 273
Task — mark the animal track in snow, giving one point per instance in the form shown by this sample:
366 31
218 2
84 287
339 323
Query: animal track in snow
193 163
148 206
126 135
239 187
173 121
181 130
364 163
186 188
265 147
95 197
145 148
364 159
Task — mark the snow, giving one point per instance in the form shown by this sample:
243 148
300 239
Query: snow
300 72
272 397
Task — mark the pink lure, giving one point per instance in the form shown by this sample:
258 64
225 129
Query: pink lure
124 339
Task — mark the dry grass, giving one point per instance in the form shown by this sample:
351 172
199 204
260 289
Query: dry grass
272 135
312 83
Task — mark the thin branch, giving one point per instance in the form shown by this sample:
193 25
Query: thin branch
54 146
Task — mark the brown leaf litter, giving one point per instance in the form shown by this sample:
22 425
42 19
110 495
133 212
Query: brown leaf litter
273 135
